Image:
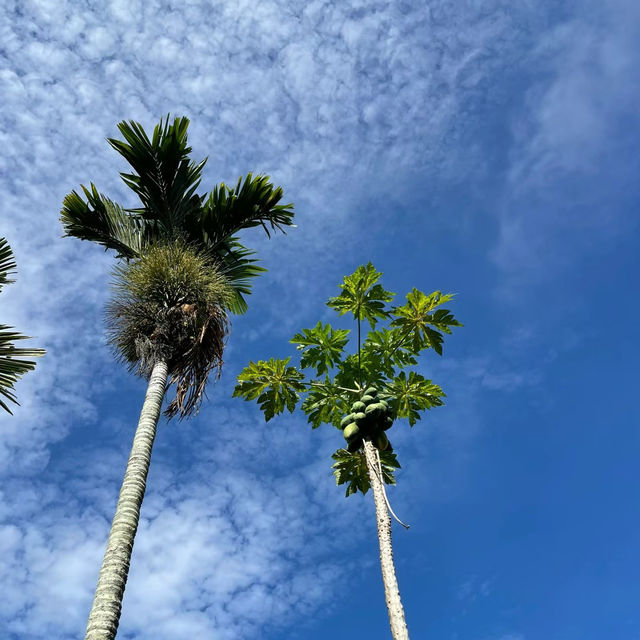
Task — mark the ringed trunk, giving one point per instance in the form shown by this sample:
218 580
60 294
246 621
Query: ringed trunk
107 603
399 629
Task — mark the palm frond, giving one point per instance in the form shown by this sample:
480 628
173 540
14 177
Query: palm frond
7 263
239 268
251 203
12 365
164 178
105 222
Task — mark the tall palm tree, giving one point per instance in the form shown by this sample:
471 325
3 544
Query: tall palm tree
12 363
182 268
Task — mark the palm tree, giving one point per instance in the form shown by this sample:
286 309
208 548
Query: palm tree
12 365
181 269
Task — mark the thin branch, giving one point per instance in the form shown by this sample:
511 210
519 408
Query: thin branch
384 492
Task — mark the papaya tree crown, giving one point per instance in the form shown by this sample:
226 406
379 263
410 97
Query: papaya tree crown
361 393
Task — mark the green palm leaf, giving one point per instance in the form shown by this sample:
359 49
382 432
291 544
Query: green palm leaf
7 263
251 203
12 365
240 269
102 221
165 178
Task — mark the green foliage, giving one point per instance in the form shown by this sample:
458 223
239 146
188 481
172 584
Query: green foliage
411 394
321 347
382 365
362 296
325 403
164 177
351 469
416 320
273 384
12 363
165 180
7 263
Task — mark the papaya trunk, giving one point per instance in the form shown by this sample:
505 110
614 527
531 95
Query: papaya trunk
107 603
399 629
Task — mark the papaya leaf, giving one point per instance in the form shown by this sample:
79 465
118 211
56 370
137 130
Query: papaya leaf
362 297
348 374
409 395
273 384
389 463
351 468
387 344
325 403
421 322
321 346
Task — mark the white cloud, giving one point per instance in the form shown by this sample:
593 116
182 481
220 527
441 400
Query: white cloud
576 123
225 551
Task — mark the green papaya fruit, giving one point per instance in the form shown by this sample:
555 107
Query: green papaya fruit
381 441
387 422
371 391
354 445
359 417
351 431
356 407
346 420
375 409
367 399
384 403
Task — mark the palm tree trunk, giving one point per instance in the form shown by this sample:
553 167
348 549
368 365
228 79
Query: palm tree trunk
399 629
107 603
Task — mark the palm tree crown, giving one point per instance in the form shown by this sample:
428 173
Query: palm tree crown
165 179
183 265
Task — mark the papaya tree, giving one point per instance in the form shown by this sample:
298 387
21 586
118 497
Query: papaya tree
12 359
362 393
181 270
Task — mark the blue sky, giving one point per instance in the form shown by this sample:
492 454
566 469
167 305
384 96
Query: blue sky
488 149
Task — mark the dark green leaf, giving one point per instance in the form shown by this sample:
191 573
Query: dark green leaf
102 221
7 262
12 363
253 202
164 178
351 468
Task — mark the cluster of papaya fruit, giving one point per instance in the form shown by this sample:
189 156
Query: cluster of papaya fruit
369 418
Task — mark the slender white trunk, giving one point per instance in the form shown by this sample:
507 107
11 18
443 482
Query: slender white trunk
107 603
399 629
